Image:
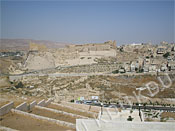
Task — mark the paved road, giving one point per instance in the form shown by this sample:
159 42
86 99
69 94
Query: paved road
141 107
155 108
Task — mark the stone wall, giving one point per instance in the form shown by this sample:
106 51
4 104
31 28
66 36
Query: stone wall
41 103
39 58
6 108
60 112
91 68
94 46
22 107
32 105
37 47
48 102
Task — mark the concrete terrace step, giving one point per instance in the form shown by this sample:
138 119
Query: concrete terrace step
19 121
101 125
61 112
90 108
70 109
46 119
50 114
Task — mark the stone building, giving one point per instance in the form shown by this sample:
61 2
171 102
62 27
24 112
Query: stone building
94 46
37 47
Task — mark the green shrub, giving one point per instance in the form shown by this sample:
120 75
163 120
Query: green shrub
166 55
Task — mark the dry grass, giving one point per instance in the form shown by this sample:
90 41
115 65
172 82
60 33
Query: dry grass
168 115
21 122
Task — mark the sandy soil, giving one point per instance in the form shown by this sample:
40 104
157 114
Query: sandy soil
7 97
2 103
54 115
20 122
68 110
168 114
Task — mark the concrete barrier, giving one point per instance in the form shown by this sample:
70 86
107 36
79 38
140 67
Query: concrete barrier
6 108
22 107
32 104
3 128
97 125
51 120
41 103
48 102
61 112
75 109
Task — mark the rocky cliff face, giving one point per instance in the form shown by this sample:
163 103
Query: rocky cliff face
39 60
71 55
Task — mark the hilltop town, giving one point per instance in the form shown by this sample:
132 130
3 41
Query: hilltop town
62 73
81 76
96 57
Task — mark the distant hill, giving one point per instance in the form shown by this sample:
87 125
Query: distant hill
23 44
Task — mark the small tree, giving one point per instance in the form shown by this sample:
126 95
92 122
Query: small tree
130 118
166 55
115 72
141 70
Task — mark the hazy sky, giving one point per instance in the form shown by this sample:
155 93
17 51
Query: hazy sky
88 21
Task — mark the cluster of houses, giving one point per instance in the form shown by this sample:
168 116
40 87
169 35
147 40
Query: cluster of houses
7 54
158 58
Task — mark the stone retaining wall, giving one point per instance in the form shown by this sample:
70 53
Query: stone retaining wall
41 103
32 104
6 108
48 102
22 107
62 123
91 68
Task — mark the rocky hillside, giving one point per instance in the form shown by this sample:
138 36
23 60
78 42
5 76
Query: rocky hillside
23 44
108 88
40 61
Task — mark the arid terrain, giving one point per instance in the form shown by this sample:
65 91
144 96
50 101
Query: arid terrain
135 74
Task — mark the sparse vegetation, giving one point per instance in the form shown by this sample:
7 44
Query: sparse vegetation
130 118
166 55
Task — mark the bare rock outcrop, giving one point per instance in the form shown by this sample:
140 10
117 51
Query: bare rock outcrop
39 60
